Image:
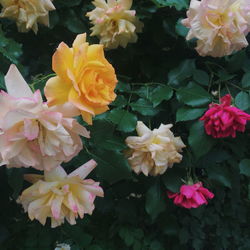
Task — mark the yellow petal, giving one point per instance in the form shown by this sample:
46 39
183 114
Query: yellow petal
57 91
80 39
75 99
87 117
95 52
62 61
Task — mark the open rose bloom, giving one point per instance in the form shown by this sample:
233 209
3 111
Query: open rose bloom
220 26
84 78
59 196
223 120
152 152
27 13
114 23
31 134
191 196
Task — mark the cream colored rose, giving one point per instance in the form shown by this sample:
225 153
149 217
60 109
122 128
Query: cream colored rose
114 23
220 26
59 196
27 13
153 151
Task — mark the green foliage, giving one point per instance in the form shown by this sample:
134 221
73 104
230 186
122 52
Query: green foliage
161 80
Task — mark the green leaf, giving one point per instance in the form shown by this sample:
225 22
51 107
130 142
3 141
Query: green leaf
220 175
188 114
178 4
180 29
242 100
15 181
73 23
160 94
112 166
172 179
198 137
171 226
144 91
123 87
144 107
67 3
102 134
201 77
193 95
120 101
9 48
78 235
155 203
245 167
2 82
225 76
245 82
94 247
4 234
182 72
126 234
124 120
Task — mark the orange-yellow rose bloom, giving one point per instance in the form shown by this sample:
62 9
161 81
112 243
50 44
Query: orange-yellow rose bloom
84 77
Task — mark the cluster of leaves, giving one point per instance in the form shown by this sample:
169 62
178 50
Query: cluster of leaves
161 80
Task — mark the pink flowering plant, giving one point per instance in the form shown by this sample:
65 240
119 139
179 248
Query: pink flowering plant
124 124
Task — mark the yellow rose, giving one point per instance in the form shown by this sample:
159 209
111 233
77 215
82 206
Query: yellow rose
27 13
84 78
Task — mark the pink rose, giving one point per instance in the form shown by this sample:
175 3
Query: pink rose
223 120
33 134
191 196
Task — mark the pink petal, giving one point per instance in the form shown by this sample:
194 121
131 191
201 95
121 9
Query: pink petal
84 170
15 84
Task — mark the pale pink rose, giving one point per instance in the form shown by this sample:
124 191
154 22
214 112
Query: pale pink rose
59 196
153 151
220 26
31 134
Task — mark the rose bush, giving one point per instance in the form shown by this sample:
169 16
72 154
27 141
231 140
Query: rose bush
184 186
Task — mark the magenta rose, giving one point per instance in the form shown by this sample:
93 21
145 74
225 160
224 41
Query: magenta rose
223 120
191 196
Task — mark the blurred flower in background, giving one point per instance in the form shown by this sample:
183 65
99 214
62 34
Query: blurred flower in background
27 13
62 246
114 23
